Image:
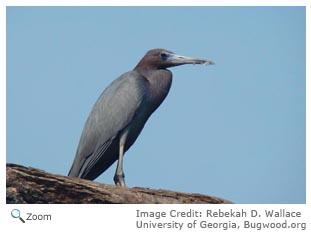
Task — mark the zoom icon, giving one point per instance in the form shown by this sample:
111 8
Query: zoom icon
16 214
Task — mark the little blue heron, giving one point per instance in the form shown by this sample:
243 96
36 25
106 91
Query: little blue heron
121 112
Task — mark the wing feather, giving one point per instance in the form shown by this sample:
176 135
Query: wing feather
112 112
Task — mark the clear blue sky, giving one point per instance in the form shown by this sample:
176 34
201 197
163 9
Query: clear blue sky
234 130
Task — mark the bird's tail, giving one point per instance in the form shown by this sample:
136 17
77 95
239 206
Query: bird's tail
72 173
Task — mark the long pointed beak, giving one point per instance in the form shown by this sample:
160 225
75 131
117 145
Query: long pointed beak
179 60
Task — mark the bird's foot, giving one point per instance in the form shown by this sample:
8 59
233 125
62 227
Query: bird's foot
119 180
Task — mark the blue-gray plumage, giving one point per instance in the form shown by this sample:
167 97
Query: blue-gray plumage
121 112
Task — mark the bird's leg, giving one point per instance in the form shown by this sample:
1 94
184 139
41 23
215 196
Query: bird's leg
119 175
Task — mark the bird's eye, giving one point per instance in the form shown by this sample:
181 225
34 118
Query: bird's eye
164 55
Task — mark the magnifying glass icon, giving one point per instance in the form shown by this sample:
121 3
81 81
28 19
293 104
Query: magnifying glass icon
17 215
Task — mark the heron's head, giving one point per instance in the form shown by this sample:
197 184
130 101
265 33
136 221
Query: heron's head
162 58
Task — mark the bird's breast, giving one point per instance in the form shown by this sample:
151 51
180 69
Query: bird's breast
159 85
